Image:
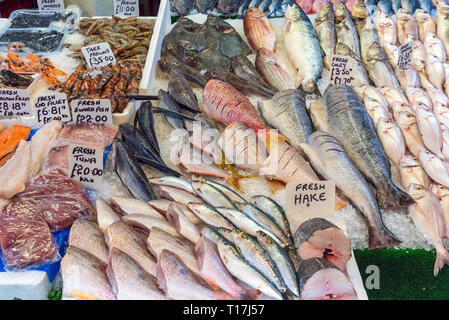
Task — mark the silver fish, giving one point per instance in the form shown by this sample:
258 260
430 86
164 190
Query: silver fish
325 30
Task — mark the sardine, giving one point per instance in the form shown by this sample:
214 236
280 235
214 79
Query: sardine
211 195
339 168
273 70
274 210
325 30
350 123
259 30
303 47
210 216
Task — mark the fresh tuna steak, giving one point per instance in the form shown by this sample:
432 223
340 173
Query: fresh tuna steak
351 124
319 279
320 238
84 276
129 281
87 236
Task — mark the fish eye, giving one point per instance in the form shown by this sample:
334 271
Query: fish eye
419 188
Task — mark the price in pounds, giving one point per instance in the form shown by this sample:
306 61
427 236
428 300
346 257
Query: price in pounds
80 170
92 111
100 61
341 72
126 8
98 55
15 102
80 118
86 165
52 107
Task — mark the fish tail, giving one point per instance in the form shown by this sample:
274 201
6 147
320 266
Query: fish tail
441 259
382 238
391 197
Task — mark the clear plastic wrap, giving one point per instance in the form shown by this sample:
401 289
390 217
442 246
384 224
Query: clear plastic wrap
26 242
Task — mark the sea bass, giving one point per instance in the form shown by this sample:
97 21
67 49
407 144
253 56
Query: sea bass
339 168
303 48
350 123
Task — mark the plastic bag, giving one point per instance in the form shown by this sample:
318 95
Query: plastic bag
26 242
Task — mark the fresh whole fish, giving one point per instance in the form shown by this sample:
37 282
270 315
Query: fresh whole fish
287 112
178 282
245 69
440 104
365 27
386 28
212 195
243 271
419 55
442 193
258 30
446 81
339 168
428 217
435 71
358 69
418 97
408 6
121 236
445 134
181 223
435 168
325 30
407 26
273 70
442 20
210 216
385 6
177 195
345 27
87 236
302 47
425 5
412 172
318 279
350 123
174 182
228 7
375 94
183 7
392 139
181 91
408 77
131 173
214 271
233 195
429 129
176 68
84 276
145 120
167 102
129 281
203 6
379 69
425 24
240 84
408 124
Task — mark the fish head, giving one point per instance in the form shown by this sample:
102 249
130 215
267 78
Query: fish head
385 124
326 13
253 13
439 190
421 15
374 51
295 13
403 14
406 119
409 161
359 9
341 12
416 191
343 49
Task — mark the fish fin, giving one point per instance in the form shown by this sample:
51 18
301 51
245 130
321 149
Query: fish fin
340 203
441 259
382 238
391 197
172 114
272 137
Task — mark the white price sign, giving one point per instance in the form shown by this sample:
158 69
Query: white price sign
405 55
341 72
98 55
52 107
86 165
15 102
92 111
126 8
50 5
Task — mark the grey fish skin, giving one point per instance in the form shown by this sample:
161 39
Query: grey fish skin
287 112
264 220
182 7
181 91
325 30
351 124
232 195
379 68
204 6
339 168
228 7
346 30
245 69
243 271
131 173
175 68
258 258
167 102
275 211
359 71
281 259
213 234
240 84
212 195
303 47
210 216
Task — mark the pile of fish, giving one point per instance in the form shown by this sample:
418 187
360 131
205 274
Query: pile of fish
203 240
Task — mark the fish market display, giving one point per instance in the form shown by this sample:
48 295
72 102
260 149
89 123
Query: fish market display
45 40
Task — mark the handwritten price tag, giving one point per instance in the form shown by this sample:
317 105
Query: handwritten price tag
405 56
15 102
52 107
50 5
126 8
311 199
98 55
86 165
341 72
91 111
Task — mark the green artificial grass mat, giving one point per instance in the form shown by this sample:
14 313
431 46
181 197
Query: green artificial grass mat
404 274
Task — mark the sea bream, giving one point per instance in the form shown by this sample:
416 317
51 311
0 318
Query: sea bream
425 23
443 23
442 193
386 28
407 26
434 45
379 68
429 129
427 215
351 124
259 30
408 124
435 168
392 139
445 135
412 172
346 30
302 47
325 30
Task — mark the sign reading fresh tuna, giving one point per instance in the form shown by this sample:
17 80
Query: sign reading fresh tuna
126 8
341 70
311 199
98 55
50 5
14 102
86 165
